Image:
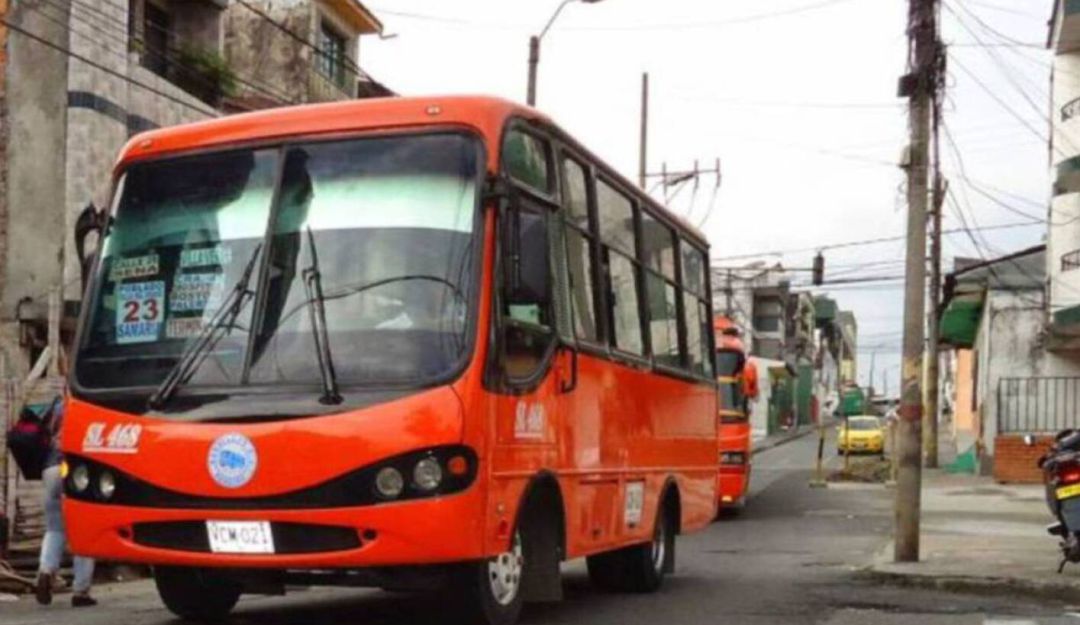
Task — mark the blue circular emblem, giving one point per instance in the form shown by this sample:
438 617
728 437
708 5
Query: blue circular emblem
232 460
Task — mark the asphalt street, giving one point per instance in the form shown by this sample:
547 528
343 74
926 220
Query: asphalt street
792 556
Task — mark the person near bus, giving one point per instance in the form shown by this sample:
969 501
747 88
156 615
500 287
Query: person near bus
55 541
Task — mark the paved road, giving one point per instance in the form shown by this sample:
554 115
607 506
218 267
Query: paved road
791 557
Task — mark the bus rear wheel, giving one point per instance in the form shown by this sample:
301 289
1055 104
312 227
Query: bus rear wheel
638 568
195 594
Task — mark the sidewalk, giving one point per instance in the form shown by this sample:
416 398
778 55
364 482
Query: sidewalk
981 536
781 438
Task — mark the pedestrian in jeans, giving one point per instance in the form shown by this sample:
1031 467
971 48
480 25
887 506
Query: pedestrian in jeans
55 542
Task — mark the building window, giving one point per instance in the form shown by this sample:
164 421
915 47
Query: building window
157 24
331 61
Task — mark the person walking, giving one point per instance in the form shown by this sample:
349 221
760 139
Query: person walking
55 541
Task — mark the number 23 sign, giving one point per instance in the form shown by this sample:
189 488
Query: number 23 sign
139 311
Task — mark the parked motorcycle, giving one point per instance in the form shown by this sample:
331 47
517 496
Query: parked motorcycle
1061 475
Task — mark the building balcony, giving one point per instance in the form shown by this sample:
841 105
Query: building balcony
320 88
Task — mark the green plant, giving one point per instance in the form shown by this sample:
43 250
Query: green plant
206 74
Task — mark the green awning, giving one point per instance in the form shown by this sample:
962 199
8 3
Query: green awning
824 310
960 322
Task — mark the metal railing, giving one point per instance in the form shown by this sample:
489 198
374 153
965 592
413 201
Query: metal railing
1042 405
1070 260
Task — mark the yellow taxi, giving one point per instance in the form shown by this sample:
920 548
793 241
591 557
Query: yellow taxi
863 433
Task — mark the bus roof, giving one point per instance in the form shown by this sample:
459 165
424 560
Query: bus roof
486 115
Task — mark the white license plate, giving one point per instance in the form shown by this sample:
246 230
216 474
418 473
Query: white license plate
240 536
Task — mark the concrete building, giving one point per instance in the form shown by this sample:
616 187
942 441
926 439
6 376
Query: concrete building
848 347
308 49
801 332
1006 381
78 79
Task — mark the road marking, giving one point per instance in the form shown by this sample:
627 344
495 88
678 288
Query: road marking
1009 622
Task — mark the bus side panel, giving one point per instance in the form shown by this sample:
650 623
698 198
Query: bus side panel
620 433
624 429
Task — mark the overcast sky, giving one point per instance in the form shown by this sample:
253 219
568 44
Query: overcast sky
798 99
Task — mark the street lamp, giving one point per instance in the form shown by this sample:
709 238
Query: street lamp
534 48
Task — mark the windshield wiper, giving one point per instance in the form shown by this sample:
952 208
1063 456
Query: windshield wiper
208 337
317 309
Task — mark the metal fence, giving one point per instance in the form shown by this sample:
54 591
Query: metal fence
1042 405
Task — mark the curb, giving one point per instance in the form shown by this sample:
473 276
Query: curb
766 444
1047 590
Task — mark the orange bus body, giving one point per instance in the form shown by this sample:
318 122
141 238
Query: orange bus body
737 382
622 423
733 482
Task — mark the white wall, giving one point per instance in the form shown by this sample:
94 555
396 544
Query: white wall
1009 343
1064 229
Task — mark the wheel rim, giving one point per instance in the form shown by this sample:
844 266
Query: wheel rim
504 572
659 544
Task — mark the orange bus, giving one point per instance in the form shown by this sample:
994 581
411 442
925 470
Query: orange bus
407 343
737 379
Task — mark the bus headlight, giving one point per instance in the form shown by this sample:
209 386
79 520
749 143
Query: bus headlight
389 483
80 478
427 475
106 484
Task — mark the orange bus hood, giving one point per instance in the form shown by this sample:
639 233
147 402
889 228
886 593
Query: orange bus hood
291 454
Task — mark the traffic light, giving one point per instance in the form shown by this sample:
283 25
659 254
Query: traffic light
819 270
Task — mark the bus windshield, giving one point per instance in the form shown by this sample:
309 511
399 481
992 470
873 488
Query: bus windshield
387 224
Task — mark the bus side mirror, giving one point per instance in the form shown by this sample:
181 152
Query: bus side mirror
526 258
91 220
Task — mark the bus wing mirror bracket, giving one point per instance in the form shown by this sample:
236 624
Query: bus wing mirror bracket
90 220
527 274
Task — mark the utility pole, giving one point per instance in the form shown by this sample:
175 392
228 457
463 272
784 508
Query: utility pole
870 380
534 61
930 417
918 85
727 296
644 144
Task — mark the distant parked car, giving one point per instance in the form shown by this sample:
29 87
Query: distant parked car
862 433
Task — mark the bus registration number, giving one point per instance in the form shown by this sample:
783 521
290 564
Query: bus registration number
240 536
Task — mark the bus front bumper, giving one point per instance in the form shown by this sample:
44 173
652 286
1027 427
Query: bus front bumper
424 531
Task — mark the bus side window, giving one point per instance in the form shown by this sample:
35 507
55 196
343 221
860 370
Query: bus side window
580 245
528 316
696 310
615 214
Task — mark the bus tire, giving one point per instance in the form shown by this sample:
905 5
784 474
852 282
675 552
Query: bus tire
194 595
489 592
638 568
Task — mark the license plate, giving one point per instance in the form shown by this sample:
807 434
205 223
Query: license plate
240 536
1065 492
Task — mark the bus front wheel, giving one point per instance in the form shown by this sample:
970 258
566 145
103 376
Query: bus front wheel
194 594
489 592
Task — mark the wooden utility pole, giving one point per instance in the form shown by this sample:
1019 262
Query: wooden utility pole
919 86
644 145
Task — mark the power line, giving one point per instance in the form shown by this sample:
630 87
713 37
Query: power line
1002 66
63 50
862 242
1012 11
164 55
349 64
1005 105
746 19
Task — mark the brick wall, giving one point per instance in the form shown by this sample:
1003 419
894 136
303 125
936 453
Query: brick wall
1015 462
